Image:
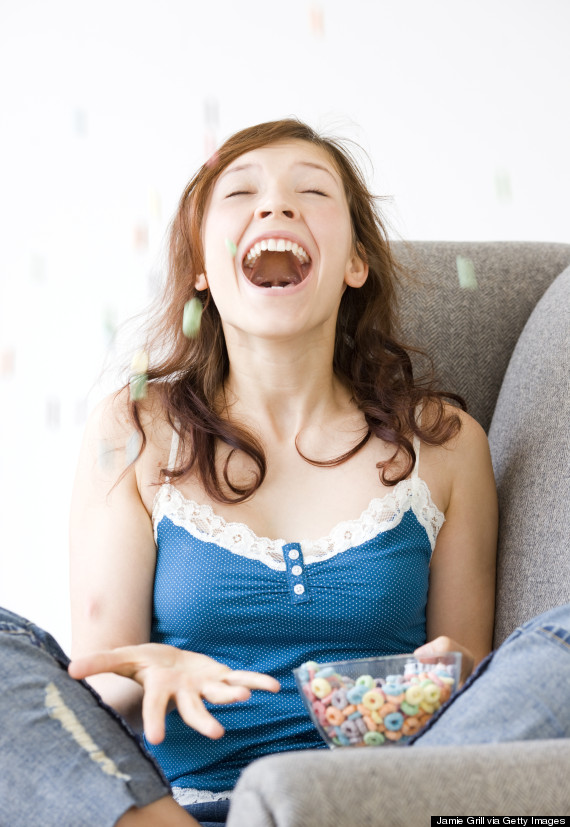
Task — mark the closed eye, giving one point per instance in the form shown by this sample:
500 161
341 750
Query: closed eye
317 192
238 192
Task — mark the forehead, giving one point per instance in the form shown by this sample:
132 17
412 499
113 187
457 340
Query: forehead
282 156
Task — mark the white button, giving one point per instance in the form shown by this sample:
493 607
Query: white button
293 554
299 589
297 570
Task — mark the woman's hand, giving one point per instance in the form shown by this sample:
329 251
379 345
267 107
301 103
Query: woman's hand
441 646
168 674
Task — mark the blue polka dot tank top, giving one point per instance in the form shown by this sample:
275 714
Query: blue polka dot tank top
269 605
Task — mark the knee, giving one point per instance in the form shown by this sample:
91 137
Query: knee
558 616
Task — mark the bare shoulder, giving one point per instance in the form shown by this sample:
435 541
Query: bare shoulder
112 418
112 435
461 461
468 437
464 468
471 435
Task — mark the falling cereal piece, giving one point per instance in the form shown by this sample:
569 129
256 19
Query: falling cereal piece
109 325
210 144
317 21
140 362
80 122
38 268
213 159
81 410
232 249
211 112
138 386
106 455
53 412
133 447
154 206
7 362
192 318
139 379
466 273
503 186
140 237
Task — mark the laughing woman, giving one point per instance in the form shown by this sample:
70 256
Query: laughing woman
297 494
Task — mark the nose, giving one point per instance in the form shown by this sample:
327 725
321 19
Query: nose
267 213
276 206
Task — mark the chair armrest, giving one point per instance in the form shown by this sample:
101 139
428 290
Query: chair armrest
403 787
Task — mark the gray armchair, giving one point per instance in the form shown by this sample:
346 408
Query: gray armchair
505 346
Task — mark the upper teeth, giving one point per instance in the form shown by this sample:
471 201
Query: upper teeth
278 245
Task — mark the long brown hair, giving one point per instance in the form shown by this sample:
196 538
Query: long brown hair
188 375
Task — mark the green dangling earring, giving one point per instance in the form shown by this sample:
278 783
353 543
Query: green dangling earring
192 318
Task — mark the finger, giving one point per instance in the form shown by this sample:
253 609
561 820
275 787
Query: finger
217 692
119 661
437 648
193 712
253 680
154 706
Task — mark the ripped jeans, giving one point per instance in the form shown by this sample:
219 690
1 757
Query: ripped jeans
520 692
67 758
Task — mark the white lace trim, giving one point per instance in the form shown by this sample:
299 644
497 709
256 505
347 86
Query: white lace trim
382 514
187 795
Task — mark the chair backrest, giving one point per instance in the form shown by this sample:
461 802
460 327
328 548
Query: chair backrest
530 445
471 333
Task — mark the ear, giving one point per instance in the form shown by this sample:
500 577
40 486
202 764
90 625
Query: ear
356 271
201 282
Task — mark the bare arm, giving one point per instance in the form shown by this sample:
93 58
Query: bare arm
112 553
164 812
461 599
113 560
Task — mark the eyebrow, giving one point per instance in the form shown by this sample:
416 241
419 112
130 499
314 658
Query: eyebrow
315 166
236 169
310 164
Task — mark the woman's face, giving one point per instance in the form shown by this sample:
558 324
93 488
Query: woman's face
284 208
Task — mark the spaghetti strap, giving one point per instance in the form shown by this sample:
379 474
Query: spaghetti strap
416 441
173 449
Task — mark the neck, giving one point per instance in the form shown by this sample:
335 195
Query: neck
282 387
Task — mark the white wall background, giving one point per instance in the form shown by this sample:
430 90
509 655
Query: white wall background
107 108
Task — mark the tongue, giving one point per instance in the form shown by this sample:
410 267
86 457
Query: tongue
276 269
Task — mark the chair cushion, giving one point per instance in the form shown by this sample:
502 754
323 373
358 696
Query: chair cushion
399 787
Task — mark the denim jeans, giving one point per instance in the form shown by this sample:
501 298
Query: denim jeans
67 758
210 814
521 692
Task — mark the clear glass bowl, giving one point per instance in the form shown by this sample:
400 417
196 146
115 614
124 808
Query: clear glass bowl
380 701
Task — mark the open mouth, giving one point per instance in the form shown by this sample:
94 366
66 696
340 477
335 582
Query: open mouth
276 263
